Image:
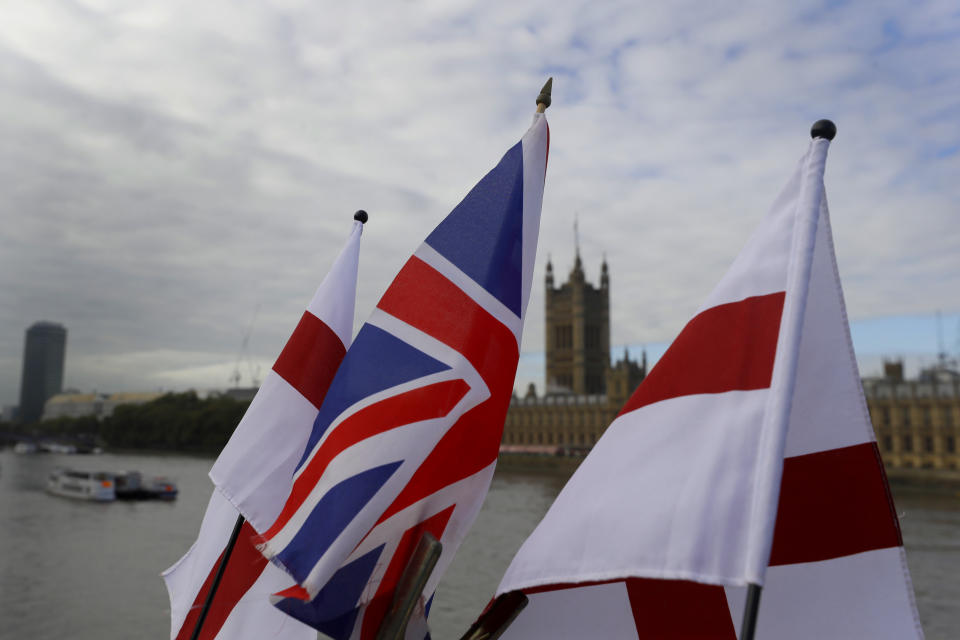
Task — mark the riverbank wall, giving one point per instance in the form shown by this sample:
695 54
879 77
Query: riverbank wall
932 481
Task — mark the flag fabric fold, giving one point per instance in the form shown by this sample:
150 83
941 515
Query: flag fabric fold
254 472
408 434
241 606
745 456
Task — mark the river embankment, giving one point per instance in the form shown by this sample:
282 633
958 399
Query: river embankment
944 482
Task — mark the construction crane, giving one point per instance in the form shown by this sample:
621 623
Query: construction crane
244 357
946 363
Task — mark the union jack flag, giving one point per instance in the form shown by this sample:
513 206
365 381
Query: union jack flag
407 436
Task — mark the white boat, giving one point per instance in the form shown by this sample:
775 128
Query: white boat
57 447
83 485
24 447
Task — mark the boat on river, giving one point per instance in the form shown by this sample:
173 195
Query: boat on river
97 486
106 486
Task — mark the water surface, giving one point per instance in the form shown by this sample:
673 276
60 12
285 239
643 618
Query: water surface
87 571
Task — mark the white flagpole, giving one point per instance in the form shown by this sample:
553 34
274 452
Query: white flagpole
827 130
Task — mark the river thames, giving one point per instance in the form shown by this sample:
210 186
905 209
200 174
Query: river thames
86 571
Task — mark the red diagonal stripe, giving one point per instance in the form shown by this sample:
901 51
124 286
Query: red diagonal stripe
310 358
425 299
244 567
433 401
296 592
833 503
725 348
381 601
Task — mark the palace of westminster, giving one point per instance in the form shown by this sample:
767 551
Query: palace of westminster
917 422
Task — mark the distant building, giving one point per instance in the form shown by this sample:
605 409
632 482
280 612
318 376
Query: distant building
584 390
577 332
43 357
97 405
917 422
74 405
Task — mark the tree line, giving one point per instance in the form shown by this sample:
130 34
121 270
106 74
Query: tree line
172 422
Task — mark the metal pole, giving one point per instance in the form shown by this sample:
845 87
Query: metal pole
219 575
504 610
410 587
750 612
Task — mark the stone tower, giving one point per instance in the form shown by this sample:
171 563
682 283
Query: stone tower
577 332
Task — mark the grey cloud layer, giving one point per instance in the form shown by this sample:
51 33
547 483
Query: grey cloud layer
168 168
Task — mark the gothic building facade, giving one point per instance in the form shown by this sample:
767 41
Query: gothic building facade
584 389
577 332
917 422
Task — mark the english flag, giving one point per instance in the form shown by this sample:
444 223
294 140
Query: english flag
255 470
748 446
407 437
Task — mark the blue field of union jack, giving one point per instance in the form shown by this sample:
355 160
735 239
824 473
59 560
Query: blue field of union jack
408 434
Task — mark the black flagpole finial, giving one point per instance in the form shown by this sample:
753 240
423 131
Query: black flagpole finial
823 129
544 97
361 216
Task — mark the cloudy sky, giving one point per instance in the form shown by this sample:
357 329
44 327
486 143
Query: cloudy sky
177 176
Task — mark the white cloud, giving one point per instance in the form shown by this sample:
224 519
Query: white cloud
168 167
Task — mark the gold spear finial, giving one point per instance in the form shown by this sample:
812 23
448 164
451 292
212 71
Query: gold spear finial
543 100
